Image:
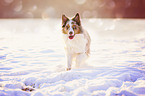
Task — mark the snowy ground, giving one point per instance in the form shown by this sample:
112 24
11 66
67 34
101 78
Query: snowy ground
32 55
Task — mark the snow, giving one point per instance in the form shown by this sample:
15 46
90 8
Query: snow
32 58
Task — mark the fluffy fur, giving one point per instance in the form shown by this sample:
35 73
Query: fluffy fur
77 41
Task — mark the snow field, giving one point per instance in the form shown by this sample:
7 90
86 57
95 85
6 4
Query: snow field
33 59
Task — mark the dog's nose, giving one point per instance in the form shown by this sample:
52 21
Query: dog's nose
71 33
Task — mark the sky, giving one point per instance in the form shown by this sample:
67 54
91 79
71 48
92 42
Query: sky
87 8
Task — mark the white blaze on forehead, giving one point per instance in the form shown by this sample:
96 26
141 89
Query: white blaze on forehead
71 29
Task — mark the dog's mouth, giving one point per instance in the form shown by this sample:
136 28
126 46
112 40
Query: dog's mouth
71 37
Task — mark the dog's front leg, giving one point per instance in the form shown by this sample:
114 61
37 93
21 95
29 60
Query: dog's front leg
69 61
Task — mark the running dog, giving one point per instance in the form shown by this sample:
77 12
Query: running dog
77 41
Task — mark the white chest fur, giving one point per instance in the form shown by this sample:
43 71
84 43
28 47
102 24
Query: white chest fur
77 44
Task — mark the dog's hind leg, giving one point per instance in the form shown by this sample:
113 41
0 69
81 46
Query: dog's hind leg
80 59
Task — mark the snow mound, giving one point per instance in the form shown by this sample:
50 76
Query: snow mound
87 82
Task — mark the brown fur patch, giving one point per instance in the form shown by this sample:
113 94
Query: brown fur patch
67 26
63 31
77 30
72 22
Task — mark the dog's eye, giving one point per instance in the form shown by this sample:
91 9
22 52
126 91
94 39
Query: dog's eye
67 27
74 27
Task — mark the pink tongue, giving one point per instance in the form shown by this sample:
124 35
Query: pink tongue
71 37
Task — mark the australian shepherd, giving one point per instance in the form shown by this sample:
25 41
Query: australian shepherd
76 39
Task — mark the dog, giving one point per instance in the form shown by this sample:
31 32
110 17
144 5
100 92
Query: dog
77 41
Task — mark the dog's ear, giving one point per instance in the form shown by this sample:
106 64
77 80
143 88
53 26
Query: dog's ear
64 20
77 19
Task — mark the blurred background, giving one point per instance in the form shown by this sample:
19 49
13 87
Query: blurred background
87 8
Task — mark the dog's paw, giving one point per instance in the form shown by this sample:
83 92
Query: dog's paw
68 69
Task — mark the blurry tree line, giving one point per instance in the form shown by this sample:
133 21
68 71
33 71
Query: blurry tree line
87 8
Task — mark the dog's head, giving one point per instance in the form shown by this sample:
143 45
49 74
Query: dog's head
71 27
